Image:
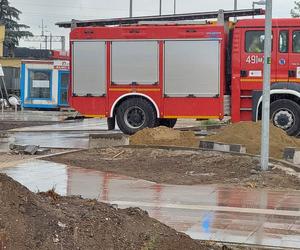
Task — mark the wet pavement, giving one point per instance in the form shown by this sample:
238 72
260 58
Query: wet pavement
42 116
94 124
218 213
67 135
78 125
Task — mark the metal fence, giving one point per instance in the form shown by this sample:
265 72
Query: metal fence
12 80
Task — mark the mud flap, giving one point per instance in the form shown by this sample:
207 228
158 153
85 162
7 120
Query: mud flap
256 94
111 123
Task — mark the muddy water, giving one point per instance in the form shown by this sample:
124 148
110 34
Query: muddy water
269 218
65 135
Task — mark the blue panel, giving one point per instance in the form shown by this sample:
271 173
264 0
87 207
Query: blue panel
40 106
22 83
60 73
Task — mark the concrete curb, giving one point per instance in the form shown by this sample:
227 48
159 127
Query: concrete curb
223 147
292 155
108 140
272 160
40 157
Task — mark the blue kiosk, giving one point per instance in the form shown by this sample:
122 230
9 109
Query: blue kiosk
44 83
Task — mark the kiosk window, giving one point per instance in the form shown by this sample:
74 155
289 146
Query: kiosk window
39 84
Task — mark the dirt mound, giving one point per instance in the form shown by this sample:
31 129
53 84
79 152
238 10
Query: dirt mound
164 136
248 134
48 221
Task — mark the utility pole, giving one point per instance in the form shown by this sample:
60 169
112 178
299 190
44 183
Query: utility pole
130 8
265 134
160 7
50 41
174 7
43 27
46 42
261 2
235 8
63 43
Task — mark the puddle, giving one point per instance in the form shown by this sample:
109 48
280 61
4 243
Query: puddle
51 116
78 125
65 135
270 218
52 139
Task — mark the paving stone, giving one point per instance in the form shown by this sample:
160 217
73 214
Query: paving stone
31 149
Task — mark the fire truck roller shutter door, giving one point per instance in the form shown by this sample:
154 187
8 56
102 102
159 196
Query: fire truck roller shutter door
89 68
192 68
134 62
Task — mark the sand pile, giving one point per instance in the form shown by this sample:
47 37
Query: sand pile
48 221
164 136
248 134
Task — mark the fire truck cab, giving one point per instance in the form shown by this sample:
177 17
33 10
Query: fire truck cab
145 74
247 72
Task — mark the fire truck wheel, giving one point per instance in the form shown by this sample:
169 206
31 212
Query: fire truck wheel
170 123
285 114
135 114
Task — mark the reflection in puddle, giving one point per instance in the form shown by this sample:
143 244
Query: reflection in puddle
204 212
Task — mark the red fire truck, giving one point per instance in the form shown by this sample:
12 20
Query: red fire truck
149 71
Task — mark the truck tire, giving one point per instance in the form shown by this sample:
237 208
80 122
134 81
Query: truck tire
135 114
170 123
285 114
111 123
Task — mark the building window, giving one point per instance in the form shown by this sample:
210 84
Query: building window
40 84
284 41
296 41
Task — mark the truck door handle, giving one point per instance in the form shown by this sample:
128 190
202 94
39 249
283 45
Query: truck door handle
292 73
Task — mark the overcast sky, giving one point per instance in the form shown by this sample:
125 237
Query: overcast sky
57 10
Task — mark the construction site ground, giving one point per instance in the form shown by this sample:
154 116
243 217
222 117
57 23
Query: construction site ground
181 167
208 195
49 221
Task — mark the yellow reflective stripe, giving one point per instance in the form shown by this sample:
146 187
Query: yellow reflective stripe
191 117
135 90
95 116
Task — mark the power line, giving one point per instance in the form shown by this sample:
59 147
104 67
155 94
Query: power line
71 6
48 40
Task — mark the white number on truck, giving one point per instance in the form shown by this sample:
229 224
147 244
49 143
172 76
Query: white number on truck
254 59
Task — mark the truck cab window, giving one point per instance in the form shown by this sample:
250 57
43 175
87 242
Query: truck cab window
255 41
284 41
296 41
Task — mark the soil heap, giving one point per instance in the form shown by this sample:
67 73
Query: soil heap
48 221
164 136
248 134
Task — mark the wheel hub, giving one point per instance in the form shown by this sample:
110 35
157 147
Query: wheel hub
134 117
283 119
